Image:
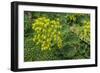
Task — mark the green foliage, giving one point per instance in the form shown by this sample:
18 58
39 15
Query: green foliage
56 36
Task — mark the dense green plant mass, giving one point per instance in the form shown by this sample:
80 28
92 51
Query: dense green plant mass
56 36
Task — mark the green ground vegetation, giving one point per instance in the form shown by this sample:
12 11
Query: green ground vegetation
56 36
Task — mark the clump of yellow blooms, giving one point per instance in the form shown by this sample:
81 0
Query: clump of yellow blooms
47 32
85 34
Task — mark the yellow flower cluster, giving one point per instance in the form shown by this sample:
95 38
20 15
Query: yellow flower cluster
85 34
47 32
